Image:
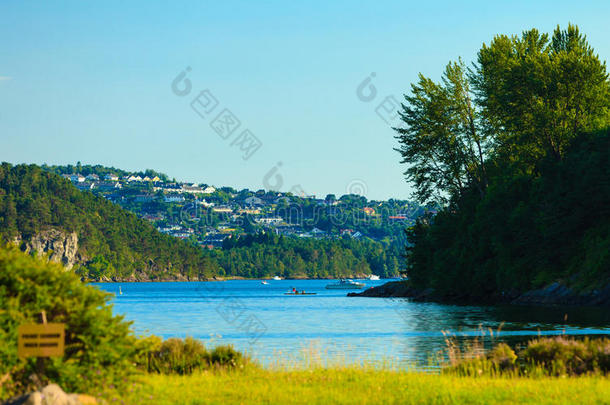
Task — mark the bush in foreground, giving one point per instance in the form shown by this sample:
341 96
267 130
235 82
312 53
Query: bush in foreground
99 346
185 356
558 356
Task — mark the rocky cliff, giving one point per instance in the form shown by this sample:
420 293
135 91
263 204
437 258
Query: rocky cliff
62 247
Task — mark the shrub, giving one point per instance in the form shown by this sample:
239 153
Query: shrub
564 356
178 356
502 356
227 356
555 356
99 346
500 359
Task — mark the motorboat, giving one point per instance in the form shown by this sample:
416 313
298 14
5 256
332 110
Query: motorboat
264 282
373 277
277 278
344 284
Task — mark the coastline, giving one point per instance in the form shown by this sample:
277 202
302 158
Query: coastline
135 279
553 294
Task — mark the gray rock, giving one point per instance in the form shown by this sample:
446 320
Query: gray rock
35 398
62 247
52 394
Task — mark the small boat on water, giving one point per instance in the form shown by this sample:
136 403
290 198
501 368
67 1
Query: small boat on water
373 277
264 282
300 293
120 291
277 278
344 284
294 291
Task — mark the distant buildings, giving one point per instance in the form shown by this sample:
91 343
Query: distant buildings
224 209
254 201
143 198
230 212
85 186
270 220
214 240
192 189
173 198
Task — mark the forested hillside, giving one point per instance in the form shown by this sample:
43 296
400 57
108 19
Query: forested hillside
525 233
517 149
114 243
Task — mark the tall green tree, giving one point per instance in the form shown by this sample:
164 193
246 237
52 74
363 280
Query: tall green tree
537 93
533 209
524 100
441 141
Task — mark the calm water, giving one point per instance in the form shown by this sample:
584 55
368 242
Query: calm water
262 320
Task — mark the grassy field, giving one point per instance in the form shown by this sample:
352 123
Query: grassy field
362 386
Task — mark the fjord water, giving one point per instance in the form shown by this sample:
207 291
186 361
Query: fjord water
268 324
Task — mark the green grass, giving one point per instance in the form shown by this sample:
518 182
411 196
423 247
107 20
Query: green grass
357 385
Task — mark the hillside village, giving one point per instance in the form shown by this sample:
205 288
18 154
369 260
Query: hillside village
208 216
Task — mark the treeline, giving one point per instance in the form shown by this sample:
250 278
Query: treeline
518 151
267 254
115 243
101 171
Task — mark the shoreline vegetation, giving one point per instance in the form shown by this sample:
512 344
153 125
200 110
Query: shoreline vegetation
230 278
552 294
515 148
106 361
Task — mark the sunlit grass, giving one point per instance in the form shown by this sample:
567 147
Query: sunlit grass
362 385
313 376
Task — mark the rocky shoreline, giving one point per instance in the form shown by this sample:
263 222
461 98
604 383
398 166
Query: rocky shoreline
553 294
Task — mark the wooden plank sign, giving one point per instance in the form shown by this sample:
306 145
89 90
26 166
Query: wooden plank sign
41 340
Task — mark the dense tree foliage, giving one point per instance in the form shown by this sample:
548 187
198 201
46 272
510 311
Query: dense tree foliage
526 232
99 347
443 141
268 254
541 213
117 244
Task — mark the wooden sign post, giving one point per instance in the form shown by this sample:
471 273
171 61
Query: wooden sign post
41 340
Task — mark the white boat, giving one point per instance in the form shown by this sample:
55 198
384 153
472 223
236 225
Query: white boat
120 291
373 277
277 278
345 285
264 282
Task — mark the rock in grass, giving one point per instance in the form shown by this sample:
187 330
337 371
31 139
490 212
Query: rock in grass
52 394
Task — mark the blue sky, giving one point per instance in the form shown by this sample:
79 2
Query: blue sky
91 82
